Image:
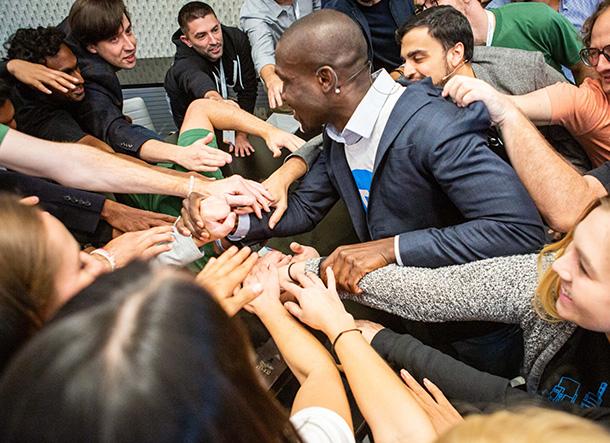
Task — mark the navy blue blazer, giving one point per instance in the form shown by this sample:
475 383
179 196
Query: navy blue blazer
435 183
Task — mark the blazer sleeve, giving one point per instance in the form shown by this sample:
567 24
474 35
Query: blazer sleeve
315 196
103 118
501 221
77 210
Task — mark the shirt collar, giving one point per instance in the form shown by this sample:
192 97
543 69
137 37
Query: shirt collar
362 122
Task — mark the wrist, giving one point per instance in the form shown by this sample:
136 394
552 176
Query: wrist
344 322
106 257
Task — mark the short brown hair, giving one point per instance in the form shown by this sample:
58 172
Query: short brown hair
588 26
92 21
192 11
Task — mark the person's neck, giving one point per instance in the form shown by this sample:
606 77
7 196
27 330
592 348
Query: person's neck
479 22
350 99
466 70
284 2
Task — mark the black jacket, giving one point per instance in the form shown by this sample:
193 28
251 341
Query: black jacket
101 112
192 75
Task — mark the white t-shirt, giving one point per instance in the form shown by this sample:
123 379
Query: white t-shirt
321 425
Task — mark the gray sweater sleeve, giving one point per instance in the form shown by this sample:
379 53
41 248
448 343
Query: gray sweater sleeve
497 289
309 152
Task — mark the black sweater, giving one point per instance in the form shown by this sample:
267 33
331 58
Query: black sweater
192 76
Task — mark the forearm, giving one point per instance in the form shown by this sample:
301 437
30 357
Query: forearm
85 167
223 116
292 170
267 73
155 151
536 106
559 191
457 380
302 352
387 406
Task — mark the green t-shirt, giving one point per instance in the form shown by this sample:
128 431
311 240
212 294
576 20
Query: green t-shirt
536 27
3 131
170 205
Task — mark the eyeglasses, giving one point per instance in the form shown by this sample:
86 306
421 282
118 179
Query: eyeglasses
425 5
590 56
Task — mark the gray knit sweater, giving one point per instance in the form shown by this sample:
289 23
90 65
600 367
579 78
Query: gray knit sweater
497 289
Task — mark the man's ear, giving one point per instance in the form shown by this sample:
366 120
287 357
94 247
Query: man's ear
92 49
455 55
327 78
186 41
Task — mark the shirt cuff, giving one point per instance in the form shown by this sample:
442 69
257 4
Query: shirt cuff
243 227
397 250
184 251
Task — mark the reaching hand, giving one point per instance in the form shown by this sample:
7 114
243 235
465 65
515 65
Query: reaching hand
466 90
352 262
201 157
319 305
265 273
369 329
237 185
210 218
218 216
223 277
276 139
242 147
40 77
302 253
274 91
127 219
441 412
142 245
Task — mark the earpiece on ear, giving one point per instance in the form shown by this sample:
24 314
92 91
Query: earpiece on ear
337 91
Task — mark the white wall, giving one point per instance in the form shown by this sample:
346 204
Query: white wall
154 21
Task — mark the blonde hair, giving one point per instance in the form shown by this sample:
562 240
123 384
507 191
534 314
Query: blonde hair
27 266
530 425
546 293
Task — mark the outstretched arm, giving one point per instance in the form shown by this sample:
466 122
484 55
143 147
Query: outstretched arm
388 407
559 191
220 115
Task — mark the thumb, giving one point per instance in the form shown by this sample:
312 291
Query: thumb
276 216
276 151
296 247
294 309
249 293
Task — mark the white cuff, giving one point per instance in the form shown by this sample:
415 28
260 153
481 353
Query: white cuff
397 250
184 251
243 227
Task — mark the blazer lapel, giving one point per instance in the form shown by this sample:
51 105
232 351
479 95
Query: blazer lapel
407 105
339 168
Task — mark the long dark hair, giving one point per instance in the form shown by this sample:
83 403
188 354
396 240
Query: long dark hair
157 360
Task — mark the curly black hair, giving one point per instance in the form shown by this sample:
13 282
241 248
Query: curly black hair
5 92
33 45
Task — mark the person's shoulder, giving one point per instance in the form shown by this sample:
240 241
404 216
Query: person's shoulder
235 36
496 54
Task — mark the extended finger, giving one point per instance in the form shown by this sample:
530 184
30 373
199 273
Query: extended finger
154 250
436 393
294 309
240 200
277 215
42 88
416 388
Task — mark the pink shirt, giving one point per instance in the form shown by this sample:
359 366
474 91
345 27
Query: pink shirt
585 112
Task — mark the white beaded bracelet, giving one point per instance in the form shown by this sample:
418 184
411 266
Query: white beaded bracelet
107 255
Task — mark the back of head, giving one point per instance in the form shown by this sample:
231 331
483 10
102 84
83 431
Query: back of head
27 279
325 37
34 45
159 360
445 24
192 11
92 21
532 425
